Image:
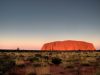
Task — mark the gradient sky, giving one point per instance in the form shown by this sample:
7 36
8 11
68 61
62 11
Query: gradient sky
28 24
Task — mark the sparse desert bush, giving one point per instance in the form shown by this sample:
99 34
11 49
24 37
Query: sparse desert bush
21 65
37 65
38 55
70 66
61 72
32 74
46 57
56 61
97 73
85 64
33 59
5 65
46 74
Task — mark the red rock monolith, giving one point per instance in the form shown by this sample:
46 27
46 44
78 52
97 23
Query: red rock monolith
68 45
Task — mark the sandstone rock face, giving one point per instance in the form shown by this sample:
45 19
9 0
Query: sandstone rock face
68 45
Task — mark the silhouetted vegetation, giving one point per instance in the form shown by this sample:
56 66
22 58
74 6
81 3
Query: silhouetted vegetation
56 61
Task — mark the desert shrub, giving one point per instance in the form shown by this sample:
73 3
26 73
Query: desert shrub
46 57
21 65
12 73
97 73
94 63
46 74
32 74
56 61
50 53
38 55
5 65
85 64
33 59
36 65
70 66
61 72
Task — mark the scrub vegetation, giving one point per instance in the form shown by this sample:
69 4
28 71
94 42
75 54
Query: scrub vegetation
49 62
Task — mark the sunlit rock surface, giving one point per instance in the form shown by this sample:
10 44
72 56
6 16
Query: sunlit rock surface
68 45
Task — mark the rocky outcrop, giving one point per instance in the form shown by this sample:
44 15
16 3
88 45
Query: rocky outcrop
68 45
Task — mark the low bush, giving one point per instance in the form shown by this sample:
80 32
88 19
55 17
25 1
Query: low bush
56 61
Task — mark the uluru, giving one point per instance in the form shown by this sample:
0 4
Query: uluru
68 45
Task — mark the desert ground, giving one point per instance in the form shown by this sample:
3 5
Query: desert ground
49 62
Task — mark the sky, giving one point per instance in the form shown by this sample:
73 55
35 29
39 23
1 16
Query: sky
28 24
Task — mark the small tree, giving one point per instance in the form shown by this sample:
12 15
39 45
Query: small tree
18 48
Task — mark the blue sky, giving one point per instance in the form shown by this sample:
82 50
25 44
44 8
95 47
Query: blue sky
29 24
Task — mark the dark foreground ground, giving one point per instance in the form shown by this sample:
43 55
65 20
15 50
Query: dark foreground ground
25 62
